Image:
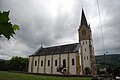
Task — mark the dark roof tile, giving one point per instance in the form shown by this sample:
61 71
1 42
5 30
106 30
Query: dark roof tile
62 49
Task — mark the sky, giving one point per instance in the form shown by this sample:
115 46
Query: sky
56 22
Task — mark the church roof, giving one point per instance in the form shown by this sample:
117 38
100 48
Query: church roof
83 19
61 49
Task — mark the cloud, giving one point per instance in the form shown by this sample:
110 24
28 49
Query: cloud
54 22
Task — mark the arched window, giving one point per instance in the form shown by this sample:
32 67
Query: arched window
41 62
85 49
35 63
55 62
64 63
48 62
87 57
83 42
73 62
84 57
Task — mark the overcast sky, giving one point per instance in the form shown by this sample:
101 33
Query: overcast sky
56 22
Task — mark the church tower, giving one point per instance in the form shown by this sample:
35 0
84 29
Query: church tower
87 49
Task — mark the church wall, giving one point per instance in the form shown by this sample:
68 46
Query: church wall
48 67
72 68
30 61
86 53
64 56
38 64
35 66
52 69
80 64
55 57
41 67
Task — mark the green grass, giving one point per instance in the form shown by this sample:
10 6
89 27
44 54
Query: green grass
20 76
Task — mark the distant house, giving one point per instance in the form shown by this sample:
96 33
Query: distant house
76 58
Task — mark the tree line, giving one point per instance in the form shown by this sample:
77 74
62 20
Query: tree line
14 64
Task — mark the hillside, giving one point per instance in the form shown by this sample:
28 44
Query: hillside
112 60
1 59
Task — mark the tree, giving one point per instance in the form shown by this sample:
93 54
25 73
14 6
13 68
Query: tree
4 65
6 27
19 64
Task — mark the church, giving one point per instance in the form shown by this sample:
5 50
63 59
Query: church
68 59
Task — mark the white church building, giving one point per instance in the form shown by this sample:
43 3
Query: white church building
71 59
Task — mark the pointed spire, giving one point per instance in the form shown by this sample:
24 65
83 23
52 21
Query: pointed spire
83 19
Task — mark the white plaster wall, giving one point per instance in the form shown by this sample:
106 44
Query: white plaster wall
72 68
30 61
80 64
86 62
41 68
48 68
55 57
35 67
39 64
64 56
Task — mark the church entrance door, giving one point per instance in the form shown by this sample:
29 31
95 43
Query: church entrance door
87 71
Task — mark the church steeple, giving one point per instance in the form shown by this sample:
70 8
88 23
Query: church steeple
83 19
84 29
87 49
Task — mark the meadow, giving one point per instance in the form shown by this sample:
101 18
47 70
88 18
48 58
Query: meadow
20 76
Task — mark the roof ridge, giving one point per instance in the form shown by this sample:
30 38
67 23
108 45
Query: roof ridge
67 48
61 45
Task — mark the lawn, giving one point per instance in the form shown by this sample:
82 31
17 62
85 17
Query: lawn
20 76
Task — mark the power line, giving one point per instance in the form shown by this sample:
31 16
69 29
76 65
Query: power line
101 25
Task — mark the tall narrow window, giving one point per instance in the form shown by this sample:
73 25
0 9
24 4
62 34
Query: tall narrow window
87 57
55 62
86 42
84 57
35 63
73 63
41 62
83 42
85 49
64 63
48 62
